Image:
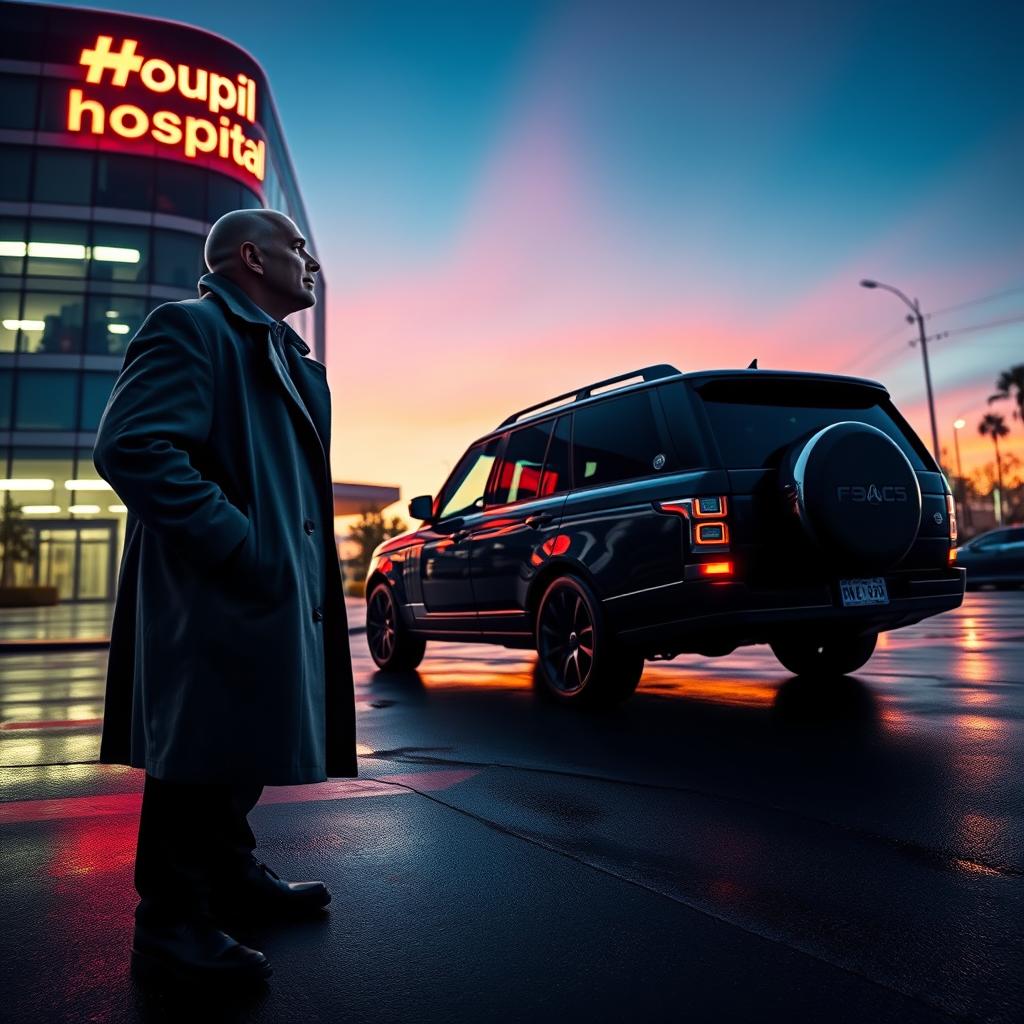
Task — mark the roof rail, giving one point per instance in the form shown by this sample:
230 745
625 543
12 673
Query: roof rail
647 373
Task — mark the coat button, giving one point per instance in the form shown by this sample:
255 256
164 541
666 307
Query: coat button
309 526
318 614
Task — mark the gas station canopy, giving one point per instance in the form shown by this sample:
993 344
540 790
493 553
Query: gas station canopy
351 499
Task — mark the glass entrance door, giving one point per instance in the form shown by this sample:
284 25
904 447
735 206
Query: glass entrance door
76 558
55 565
95 547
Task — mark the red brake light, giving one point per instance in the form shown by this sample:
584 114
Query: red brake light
716 568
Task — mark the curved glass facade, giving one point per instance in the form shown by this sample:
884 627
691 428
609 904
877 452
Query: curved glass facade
121 140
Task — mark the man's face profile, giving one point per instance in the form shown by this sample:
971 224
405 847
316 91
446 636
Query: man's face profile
287 268
264 253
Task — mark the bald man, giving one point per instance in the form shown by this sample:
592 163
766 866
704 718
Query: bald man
229 664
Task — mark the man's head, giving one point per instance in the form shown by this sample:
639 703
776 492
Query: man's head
264 253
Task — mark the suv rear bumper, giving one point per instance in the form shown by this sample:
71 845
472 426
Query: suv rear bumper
708 616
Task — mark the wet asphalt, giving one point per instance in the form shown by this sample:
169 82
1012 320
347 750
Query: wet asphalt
731 844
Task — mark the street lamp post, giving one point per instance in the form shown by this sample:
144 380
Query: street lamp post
958 425
961 491
915 306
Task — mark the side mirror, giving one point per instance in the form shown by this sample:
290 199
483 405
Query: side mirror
422 507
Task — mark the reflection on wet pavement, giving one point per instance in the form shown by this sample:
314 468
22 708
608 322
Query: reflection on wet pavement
955 671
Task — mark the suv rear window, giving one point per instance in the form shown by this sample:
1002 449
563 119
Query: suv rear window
617 440
754 422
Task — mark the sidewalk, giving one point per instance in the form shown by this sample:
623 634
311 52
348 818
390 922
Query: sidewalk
86 626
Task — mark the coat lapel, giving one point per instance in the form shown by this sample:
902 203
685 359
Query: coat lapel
304 381
306 388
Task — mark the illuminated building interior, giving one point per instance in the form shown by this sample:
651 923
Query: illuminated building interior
121 140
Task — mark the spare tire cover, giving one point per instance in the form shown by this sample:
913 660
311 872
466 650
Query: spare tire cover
856 495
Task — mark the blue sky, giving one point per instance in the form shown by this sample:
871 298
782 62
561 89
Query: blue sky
499 189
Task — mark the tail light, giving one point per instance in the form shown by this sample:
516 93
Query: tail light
716 568
707 529
711 533
709 508
951 518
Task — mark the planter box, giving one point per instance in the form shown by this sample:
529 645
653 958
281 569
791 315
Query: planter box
27 597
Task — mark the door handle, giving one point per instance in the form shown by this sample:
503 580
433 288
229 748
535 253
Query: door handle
539 519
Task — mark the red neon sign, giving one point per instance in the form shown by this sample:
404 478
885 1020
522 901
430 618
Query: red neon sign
223 97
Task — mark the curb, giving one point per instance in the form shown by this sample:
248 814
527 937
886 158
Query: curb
96 643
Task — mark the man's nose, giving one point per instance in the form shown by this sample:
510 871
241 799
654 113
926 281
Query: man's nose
312 265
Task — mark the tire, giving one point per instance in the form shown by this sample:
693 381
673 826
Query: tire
392 647
834 657
571 670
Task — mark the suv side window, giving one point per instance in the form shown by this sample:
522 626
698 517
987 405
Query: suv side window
464 492
522 464
617 440
556 467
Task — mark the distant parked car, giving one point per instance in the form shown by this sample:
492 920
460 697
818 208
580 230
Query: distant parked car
994 558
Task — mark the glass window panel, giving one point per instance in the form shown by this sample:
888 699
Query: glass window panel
85 468
754 425
112 321
49 464
63 176
225 195
53 107
96 388
18 97
52 322
24 34
6 392
464 492
12 245
250 201
45 400
556 468
124 181
15 169
616 440
10 316
57 248
522 464
178 258
119 253
181 190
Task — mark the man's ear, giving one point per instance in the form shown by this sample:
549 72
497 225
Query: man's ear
252 258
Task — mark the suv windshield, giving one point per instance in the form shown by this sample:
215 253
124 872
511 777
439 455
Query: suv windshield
754 422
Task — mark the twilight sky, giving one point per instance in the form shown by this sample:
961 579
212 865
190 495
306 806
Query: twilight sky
511 199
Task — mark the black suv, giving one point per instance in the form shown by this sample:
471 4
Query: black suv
659 513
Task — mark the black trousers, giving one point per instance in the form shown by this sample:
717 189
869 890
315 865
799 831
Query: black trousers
193 838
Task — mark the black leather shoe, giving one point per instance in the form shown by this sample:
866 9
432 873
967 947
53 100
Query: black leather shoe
195 953
260 893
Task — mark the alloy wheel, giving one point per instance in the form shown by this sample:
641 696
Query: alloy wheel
380 624
566 640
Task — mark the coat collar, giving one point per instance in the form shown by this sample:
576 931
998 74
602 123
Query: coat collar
236 302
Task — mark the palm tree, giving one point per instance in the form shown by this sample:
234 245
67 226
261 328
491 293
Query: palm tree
993 425
1011 385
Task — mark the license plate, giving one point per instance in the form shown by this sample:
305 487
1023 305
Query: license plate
860 592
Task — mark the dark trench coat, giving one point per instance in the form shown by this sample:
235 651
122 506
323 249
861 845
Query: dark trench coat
229 652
